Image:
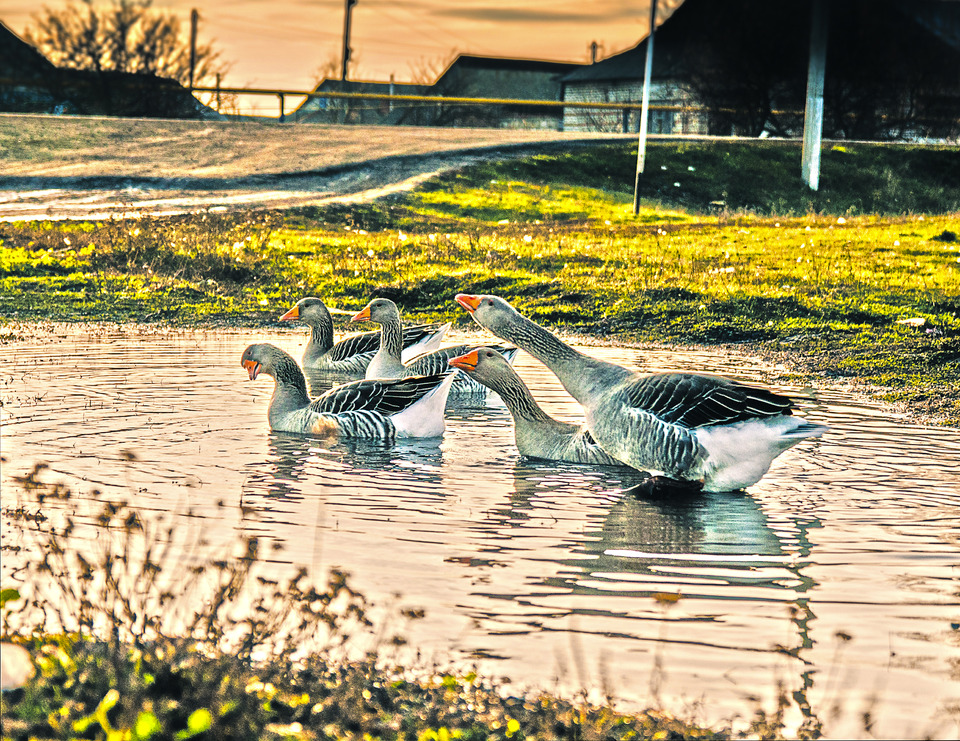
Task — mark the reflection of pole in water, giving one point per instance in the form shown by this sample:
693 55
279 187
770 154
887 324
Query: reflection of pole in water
801 615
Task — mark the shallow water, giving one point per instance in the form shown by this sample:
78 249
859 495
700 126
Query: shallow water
539 571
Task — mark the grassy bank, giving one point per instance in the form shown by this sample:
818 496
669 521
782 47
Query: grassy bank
860 280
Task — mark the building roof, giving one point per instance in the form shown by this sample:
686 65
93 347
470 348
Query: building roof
474 62
18 59
629 65
938 18
359 86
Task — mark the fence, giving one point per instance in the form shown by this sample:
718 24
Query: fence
619 111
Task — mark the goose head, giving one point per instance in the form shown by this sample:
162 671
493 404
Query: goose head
490 312
483 363
262 358
307 310
380 310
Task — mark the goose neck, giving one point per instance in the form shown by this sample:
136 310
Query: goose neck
290 388
391 338
581 375
518 399
321 332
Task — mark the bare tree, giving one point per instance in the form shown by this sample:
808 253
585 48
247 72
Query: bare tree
126 36
425 71
329 69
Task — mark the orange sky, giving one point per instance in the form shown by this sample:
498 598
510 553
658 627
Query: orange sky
286 43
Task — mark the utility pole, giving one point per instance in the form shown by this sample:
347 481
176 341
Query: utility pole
644 108
194 17
348 10
813 114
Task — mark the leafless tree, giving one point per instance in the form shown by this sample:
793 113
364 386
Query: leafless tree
126 36
426 70
329 69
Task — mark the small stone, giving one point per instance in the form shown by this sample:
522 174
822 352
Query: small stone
16 666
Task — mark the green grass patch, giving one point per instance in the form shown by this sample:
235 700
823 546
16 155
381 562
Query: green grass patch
832 272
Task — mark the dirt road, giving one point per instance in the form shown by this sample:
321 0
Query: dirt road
68 167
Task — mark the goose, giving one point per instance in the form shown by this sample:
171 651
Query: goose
718 434
379 410
537 434
352 354
388 363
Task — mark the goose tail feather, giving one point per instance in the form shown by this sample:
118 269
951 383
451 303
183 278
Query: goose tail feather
805 430
428 343
425 417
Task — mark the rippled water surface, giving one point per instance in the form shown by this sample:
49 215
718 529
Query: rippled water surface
538 571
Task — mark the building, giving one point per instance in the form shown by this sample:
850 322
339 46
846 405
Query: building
467 76
740 67
30 83
470 76
365 110
619 79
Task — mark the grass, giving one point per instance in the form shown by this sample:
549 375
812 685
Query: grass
728 247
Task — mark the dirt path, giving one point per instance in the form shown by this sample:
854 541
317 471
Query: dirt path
89 167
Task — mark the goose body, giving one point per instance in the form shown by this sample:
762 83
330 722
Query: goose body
353 354
389 363
685 426
378 410
537 434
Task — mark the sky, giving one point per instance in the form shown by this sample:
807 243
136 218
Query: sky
292 44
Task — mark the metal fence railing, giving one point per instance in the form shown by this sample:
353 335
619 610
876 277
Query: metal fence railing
620 109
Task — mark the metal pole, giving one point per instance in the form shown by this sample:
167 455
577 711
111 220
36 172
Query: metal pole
194 17
813 114
644 108
347 11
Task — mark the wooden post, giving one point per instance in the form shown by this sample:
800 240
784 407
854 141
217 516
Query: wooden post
644 108
813 114
347 12
194 17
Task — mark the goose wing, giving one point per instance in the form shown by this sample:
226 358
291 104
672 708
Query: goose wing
414 333
387 396
691 401
369 342
437 361
355 344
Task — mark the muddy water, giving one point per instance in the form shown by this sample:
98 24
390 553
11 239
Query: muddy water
545 572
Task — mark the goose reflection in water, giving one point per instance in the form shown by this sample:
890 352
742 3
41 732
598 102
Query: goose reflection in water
606 576
720 537
295 463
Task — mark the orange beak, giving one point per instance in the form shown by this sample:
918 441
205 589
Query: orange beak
467 361
294 313
468 302
253 368
362 316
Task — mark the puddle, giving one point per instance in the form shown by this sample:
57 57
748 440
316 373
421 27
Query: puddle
544 572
